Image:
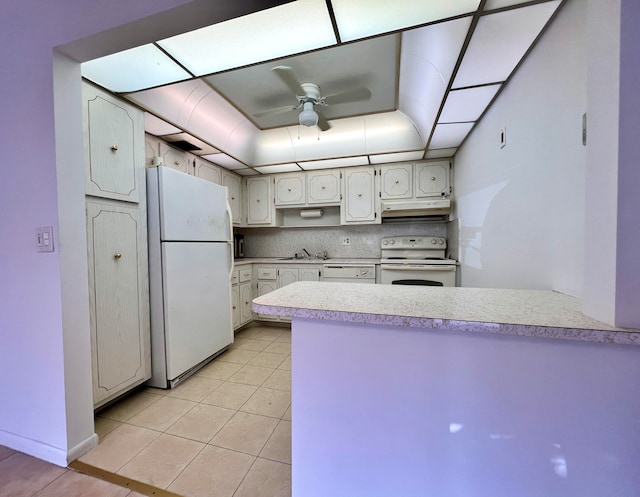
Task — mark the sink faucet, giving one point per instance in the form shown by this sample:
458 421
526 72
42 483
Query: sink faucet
305 251
322 255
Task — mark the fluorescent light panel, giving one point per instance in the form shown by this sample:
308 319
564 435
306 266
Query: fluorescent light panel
397 157
134 69
333 163
156 126
246 172
499 43
279 168
268 34
225 161
468 104
441 153
362 18
449 135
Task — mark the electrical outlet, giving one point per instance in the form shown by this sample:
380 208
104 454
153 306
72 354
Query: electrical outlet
346 240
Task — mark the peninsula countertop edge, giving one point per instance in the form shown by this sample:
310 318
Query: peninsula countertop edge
527 313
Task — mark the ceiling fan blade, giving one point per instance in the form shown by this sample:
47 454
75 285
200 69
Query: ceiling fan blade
286 74
323 124
357 95
277 110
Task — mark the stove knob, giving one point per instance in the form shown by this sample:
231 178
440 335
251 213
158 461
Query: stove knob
385 242
392 242
440 242
434 241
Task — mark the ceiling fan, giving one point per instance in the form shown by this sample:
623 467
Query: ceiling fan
309 96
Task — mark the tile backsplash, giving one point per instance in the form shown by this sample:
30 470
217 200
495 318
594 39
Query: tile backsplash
365 239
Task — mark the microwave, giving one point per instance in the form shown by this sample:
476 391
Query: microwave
238 246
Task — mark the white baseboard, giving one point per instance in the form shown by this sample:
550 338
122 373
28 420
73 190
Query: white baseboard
46 452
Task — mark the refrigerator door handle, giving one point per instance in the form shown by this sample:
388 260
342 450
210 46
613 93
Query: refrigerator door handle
230 239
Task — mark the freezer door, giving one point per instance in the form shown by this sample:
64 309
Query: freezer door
197 303
191 209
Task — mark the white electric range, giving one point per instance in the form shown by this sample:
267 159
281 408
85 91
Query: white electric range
416 260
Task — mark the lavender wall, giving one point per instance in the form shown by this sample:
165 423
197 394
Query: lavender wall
44 328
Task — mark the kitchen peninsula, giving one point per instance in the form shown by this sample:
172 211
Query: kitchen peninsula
457 391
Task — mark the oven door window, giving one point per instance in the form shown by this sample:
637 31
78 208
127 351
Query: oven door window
417 282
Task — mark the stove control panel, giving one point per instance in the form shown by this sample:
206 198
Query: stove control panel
409 242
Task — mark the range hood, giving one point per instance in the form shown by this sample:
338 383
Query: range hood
416 208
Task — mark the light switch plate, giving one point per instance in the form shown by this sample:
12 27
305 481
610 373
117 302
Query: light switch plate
44 239
503 137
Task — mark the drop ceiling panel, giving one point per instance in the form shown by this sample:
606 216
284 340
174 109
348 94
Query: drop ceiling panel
440 153
498 4
334 163
246 172
500 41
268 34
468 104
449 135
279 168
370 64
157 126
398 157
225 161
362 18
134 69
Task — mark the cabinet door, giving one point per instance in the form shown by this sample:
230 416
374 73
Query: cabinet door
358 203
432 179
234 185
323 187
309 274
396 181
290 189
208 171
174 158
114 146
286 276
151 149
235 306
119 298
265 287
245 302
259 205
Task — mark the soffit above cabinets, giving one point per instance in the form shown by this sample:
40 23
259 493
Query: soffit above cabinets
432 68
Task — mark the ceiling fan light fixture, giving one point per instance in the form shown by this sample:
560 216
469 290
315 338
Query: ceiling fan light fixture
308 117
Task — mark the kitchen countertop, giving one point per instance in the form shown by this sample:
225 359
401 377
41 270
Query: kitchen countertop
532 313
277 260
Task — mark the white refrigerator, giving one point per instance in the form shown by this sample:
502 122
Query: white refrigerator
190 266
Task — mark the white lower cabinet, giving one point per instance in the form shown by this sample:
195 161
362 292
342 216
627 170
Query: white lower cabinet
276 276
118 298
246 296
241 296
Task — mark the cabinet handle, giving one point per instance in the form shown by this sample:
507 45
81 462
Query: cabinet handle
114 148
117 255
246 303
359 194
233 198
258 200
288 189
324 187
234 307
177 163
433 178
397 181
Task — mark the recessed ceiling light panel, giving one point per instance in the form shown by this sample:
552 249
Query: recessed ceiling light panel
358 19
333 163
500 41
279 168
449 135
291 28
468 104
134 69
397 157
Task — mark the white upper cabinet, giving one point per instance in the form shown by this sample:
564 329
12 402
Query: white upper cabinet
259 201
233 182
114 146
323 187
208 171
432 179
396 181
175 159
290 189
360 202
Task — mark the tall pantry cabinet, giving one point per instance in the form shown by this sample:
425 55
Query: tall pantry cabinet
117 244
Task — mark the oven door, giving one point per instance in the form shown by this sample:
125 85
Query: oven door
418 274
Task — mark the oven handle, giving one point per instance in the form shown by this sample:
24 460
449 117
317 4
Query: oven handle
393 267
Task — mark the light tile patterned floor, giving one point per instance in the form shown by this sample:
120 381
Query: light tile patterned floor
224 432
